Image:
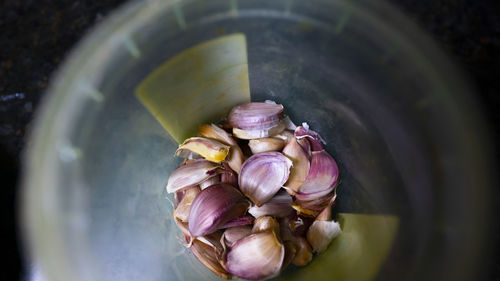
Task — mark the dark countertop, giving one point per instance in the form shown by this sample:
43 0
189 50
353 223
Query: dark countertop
35 36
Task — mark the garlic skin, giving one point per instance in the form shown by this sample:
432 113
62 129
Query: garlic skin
255 257
215 206
235 158
301 165
266 145
304 253
182 211
314 138
278 206
209 257
192 174
262 175
209 149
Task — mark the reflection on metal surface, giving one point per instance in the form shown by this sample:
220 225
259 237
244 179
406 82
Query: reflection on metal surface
355 255
199 85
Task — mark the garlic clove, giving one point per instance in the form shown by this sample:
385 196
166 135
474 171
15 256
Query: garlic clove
286 136
235 158
321 233
290 252
266 145
209 149
229 176
255 115
214 207
182 211
262 175
209 257
183 226
265 223
278 206
210 181
314 138
192 174
255 257
240 221
317 205
323 230
213 240
233 234
322 177
301 165
215 132
304 253
260 133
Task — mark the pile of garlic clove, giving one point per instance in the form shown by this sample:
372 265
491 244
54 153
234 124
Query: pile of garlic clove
248 207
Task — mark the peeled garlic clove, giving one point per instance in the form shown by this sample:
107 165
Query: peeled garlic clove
257 256
303 254
266 145
235 158
322 231
278 206
260 133
215 206
286 136
245 220
210 181
209 149
255 115
209 257
290 253
229 176
233 234
314 138
262 175
301 165
322 177
182 211
192 174
265 223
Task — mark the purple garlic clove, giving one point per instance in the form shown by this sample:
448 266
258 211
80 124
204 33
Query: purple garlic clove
192 174
255 257
255 116
278 206
263 174
214 207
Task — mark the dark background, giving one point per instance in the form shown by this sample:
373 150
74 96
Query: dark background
36 35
